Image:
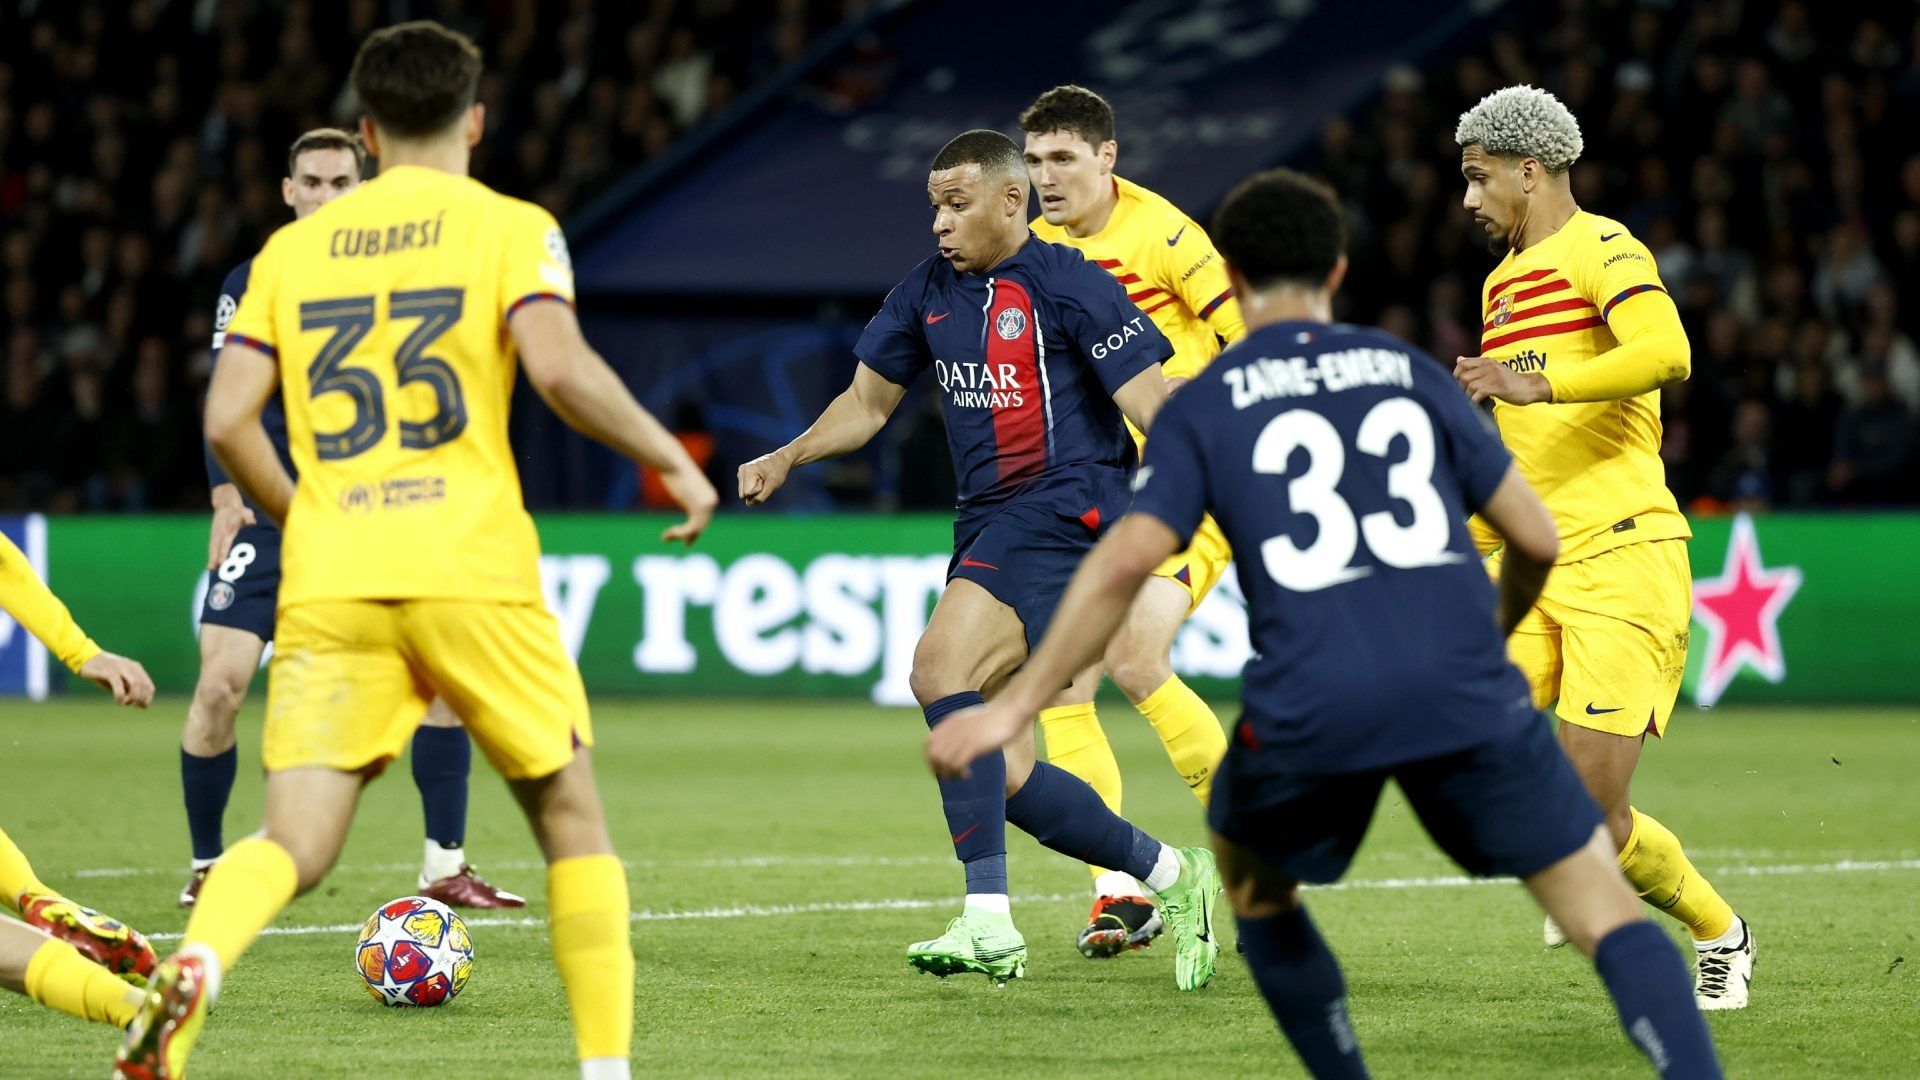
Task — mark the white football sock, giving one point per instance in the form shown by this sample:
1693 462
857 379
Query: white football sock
1166 870
994 902
605 1068
1736 930
1116 883
442 862
209 963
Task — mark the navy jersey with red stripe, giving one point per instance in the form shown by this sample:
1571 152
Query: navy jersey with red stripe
274 415
1028 356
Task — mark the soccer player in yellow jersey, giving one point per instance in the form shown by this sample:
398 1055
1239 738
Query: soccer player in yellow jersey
63 955
1578 336
390 321
1175 276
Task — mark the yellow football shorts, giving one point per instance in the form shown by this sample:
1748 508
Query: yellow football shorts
1198 568
350 681
1608 638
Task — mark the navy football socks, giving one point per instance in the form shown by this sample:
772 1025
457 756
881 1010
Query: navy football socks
1301 981
1061 811
1651 990
442 758
976 807
207 783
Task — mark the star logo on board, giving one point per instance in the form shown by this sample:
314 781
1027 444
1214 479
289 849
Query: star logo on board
1741 612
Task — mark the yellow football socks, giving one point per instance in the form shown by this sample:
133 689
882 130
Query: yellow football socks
16 874
244 892
593 948
1662 874
1189 730
1076 743
60 978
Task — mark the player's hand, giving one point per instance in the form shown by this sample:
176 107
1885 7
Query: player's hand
763 476
694 493
125 679
966 737
230 515
1484 377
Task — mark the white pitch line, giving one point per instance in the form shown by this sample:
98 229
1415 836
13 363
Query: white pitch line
743 862
768 911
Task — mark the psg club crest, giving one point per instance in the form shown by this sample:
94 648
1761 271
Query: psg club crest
220 597
1011 323
1503 310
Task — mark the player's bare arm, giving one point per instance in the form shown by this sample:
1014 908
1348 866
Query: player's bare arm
230 515
583 390
1140 399
1095 602
125 679
243 382
1532 544
848 423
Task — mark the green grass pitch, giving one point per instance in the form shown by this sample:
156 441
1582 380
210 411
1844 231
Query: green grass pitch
782 855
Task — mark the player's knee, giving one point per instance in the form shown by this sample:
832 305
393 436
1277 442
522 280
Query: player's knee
1138 670
313 855
1261 895
930 680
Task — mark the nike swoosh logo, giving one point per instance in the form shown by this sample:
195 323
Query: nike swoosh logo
981 565
967 833
932 318
1591 711
1604 237
1175 238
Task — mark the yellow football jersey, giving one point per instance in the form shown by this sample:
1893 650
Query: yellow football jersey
1170 269
387 312
1595 464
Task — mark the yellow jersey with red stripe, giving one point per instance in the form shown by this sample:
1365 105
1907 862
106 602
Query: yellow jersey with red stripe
1596 464
387 311
1170 269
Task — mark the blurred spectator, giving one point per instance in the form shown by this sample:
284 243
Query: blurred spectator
1873 454
1743 478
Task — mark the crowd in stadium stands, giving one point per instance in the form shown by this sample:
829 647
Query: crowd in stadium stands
1766 153
141 146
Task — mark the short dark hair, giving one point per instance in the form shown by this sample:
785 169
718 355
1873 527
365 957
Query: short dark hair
1073 109
1281 226
415 78
327 139
989 149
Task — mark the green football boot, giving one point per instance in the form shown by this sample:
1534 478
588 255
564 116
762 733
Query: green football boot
1187 907
981 941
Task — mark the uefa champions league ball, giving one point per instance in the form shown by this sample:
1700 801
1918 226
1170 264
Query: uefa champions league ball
414 951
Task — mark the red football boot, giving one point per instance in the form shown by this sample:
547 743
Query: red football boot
467 889
108 942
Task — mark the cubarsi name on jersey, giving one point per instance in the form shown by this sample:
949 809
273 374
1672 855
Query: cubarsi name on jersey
1298 376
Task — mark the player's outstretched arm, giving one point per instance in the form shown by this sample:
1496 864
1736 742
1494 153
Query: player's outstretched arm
1140 397
1532 543
1093 607
125 679
848 423
244 381
589 395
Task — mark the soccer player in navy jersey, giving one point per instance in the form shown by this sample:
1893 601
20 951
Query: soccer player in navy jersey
243 589
1039 355
1342 464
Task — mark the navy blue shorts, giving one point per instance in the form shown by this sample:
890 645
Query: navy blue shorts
1024 552
243 591
1511 806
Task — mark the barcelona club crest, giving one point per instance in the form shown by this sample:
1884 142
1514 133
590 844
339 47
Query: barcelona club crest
1503 310
1011 323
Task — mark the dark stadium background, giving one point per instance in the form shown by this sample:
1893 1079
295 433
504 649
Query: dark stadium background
742 181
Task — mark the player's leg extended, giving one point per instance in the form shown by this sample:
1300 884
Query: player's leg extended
208 759
972 642
1139 659
1059 810
1585 895
442 759
1291 964
53 973
589 910
103 940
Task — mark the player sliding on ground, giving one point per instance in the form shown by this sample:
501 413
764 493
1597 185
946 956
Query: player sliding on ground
60 954
390 320
243 587
1039 353
1579 337
1341 461
1171 270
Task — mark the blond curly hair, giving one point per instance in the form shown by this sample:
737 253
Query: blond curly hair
1523 121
